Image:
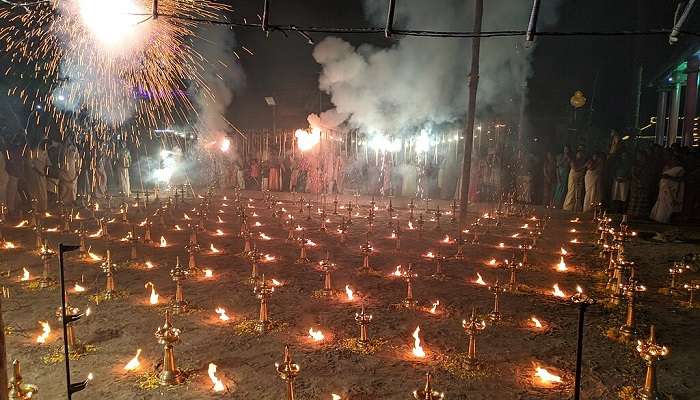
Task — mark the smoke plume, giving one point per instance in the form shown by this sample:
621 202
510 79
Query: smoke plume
419 82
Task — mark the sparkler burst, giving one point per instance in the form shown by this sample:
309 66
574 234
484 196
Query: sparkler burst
107 61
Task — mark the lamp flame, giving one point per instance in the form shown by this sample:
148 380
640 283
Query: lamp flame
25 275
208 273
479 280
398 271
558 292
563 251
96 234
264 236
22 224
501 245
417 348
536 321
433 310
410 225
214 249
219 232
222 314
446 239
561 267
134 363
429 255
153 298
493 262
149 264
163 242
269 258
177 228
349 292
317 336
218 383
185 216
46 331
546 376
9 245
77 288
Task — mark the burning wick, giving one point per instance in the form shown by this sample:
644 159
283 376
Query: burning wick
417 348
298 228
143 223
149 264
574 240
255 214
317 336
218 383
153 298
575 220
277 283
410 225
537 322
349 292
134 363
501 245
163 242
78 289
9 245
214 249
25 275
546 376
561 267
22 224
335 397
398 271
177 228
46 331
433 310
96 234
269 257
557 292
525 226
264 236
573 231
515 235
563 251
187 217
446 239
222 314
479 280
257 223
429 255
493 261
219 220
208 273
219 232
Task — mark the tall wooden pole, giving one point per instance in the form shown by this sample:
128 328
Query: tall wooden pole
471 111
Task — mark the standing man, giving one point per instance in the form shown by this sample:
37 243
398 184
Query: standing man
69 166
123 165
14 165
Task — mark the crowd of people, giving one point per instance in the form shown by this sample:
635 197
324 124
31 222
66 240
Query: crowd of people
640 179
48 171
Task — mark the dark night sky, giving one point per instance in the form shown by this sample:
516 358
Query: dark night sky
600 66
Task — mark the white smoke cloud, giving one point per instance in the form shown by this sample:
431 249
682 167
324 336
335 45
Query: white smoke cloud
423 81
220 79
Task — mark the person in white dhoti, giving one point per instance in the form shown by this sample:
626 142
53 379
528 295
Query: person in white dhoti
576 186
594 182
68 168
671 189
123 165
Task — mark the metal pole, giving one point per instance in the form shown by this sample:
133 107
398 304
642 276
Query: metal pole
471 111
3 358
390 19
532 25
579 350
266 16
63 320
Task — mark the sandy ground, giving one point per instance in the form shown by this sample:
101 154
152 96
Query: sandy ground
508 350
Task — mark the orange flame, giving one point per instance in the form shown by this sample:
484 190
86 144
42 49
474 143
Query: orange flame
536 321
561 267
219 232
317 336
214 249
563 251
46 331
163 242
25 275
398 271
417 348
546 376
573 230
54 229
269 258
446 239
493 262
149 264
575 220
574 240
219 220
349 292
96 234
217 382
433 310
222 314
77 288
153 298
479 280
558 292
22 224
257 223
410 225
501 245
275 282
429 255
134 363
177 228
515 235
94 257
264 236
9 245
187 217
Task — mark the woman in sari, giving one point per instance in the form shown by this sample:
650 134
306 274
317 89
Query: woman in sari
593 181
576 185
670 198
562 172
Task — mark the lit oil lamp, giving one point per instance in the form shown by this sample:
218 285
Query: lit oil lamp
213 249
263 291
208 273
556 292
179 274
366 251
473 327
78 288
219 232
221 313
563 252
316 335
46 255
45 332
349 293
677 269
73 314
18 390
302 259
497 290
561 267
536 323
479 280
427 393
629 330
433 310
192 265
409 302
163 242
363 320
108 268
25 275
168 336
327 267
439 260
288 371
651 352
254 257
264 236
